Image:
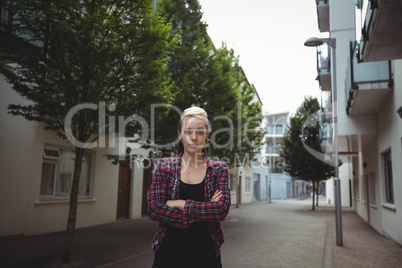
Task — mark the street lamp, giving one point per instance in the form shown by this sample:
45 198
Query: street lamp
315 42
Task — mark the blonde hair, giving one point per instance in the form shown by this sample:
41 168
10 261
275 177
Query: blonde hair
196 112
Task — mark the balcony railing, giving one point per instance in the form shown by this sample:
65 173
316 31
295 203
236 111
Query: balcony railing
325 131
275 170
272 150
380 25
10 37
324 67
370 83
323 15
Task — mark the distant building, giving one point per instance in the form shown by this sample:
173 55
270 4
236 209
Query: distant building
281 184
252 175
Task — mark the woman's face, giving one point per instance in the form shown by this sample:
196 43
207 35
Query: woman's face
193 135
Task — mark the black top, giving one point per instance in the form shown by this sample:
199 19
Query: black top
192 245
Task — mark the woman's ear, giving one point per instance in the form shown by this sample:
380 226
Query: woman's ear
178 132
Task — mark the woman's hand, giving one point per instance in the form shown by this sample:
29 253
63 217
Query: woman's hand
179 204
217 196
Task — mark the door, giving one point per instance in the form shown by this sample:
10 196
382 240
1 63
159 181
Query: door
239 187
367 197
123 194
147 181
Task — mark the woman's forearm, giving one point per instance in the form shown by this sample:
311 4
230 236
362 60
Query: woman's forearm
179 204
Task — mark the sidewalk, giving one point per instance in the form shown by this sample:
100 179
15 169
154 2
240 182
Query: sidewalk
363 246
308 240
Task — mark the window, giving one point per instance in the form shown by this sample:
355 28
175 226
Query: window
232 182
372 189
278 147
57 174
248 183
277 168
278 129
389 187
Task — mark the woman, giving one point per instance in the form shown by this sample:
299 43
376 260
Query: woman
189 195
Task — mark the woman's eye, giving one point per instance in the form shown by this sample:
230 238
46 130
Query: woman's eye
187 132
200 132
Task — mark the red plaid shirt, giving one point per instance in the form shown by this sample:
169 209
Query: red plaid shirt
165 186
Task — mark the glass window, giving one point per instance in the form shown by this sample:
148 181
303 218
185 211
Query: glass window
57 174
232 182
279 129
51 154
47 182
248 183
278 146
389 187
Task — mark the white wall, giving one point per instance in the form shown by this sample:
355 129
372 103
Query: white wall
50 216
372 212
16 141
21 156
389 137
345 171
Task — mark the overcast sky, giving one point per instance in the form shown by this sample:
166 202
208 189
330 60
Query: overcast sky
268 37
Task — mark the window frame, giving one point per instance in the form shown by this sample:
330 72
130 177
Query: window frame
56 161
52 196
389 193
278 129
57 150
232 182
248 185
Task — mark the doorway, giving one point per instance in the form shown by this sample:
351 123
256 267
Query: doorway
123 194
147 181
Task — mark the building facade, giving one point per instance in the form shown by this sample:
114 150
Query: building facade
37 168
365 73
280 184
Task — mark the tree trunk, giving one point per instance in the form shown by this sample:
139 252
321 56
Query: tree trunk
72 215
313 208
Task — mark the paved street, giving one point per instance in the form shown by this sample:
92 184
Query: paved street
285 233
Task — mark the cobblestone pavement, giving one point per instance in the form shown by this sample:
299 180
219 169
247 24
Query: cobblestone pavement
363 246
285 233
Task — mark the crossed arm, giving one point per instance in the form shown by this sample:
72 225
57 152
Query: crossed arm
181 213
179 204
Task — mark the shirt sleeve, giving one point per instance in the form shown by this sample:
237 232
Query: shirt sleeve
211 211
157 197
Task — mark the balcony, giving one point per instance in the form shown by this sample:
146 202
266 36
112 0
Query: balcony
325 131
10 38
272 150
381 29
324 67
323 15
370 84
275 170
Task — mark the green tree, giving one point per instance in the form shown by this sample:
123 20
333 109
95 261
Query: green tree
211 78
298 161
70 52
